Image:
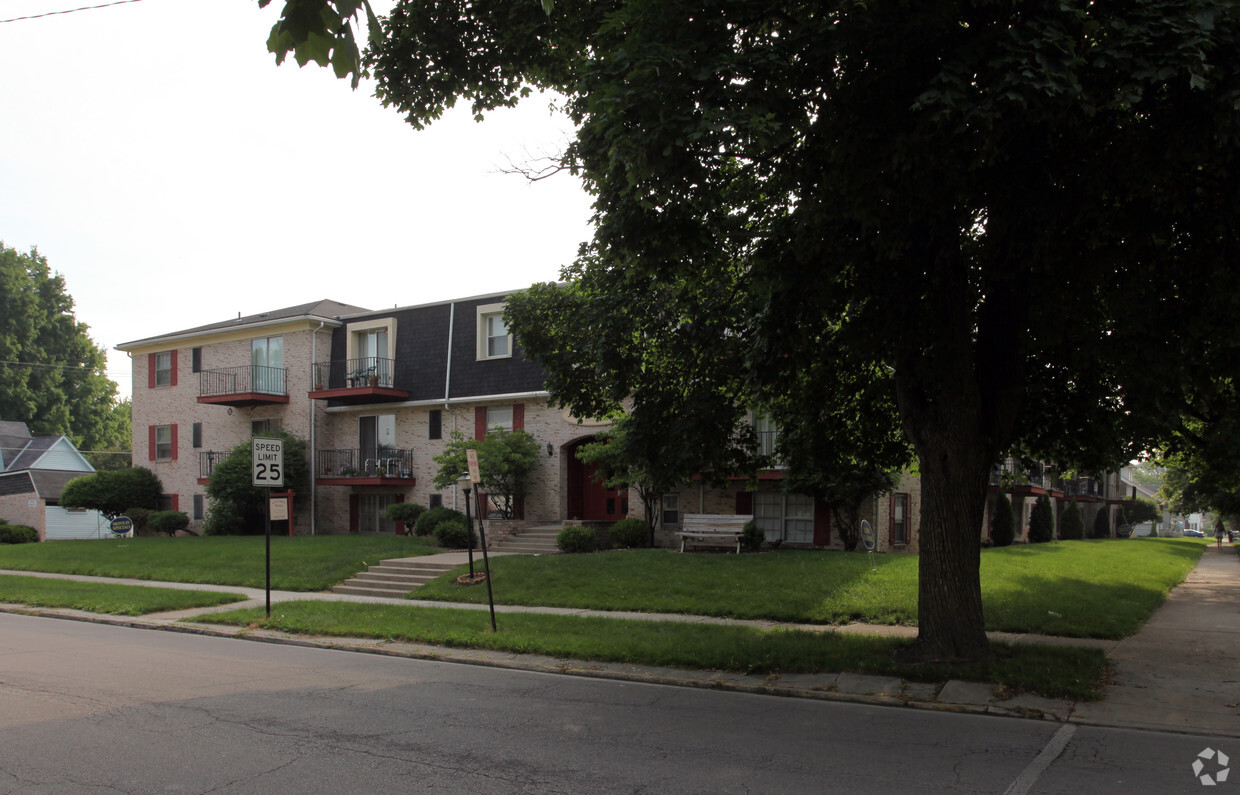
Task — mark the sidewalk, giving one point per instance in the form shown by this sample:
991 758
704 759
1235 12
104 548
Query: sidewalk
1179 673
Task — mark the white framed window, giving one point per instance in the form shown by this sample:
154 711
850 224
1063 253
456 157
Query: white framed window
784 517
499 417
163 369
671 509
264 426
768 436
163 443
494 341
267 365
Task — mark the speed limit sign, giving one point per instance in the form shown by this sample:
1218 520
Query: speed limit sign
268 460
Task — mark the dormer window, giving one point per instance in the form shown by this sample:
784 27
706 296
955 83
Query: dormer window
494 341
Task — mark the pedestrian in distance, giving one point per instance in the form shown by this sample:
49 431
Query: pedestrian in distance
1218 533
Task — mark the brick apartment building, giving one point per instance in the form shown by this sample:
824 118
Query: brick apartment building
376 395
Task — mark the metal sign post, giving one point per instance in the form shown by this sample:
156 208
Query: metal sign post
267 471
867 538
471 458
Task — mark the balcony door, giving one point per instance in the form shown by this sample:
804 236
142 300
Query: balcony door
267 365
375 436
372 350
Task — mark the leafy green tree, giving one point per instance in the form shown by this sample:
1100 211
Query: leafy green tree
1072 523
114 492
1140 511
52 374
1002 522
921 186
505 460
1042 521
237 506
1102 523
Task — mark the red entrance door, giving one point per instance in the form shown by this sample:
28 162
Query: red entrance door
588 498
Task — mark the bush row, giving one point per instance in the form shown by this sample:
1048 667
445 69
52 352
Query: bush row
18 534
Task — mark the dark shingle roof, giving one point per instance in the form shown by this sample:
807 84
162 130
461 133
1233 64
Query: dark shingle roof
325 308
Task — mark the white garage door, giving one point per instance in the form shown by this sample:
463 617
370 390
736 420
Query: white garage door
63 523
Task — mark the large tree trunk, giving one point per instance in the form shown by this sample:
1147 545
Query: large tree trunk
949 589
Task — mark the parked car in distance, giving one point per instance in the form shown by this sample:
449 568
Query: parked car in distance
1194 534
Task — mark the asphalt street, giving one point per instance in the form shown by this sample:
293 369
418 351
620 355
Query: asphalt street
99 708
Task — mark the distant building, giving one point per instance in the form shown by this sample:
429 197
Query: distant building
33 472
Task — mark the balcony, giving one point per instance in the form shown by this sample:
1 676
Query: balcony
1081 487
1011 474
245 386
356 380
364 467
207 462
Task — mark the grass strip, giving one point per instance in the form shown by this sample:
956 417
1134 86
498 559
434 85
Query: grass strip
1096 589
118 600
1054 672
302 563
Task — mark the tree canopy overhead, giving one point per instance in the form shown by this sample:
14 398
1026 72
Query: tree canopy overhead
52 374
959 202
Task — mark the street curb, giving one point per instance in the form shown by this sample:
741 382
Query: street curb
708 680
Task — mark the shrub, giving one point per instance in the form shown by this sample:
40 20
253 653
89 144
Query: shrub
630 533
1102 524
1042 521
167 521
426 522
18 534
452 534
407 512
141 518
575 538
113 491
1072 523
752 537
1002 523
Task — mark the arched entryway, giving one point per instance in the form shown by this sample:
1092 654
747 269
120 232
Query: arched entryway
588 498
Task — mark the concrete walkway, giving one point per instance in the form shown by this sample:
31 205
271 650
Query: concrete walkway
1179 673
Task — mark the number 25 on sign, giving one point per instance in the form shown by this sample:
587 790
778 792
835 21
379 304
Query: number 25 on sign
268 459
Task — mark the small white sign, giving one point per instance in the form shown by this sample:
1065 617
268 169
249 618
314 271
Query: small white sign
268 462
279 509
471 457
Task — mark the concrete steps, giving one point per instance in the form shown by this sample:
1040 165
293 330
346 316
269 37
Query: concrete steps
531 541
393 578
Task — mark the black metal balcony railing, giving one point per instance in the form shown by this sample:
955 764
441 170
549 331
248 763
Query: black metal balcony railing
354 373
766 446
1080 487
246 379
207 462
1012 473
365 463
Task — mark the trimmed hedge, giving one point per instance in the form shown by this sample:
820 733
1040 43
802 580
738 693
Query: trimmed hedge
1042 521
429 519
18 534
1002 523
451 534
167 521
752 537
1072 523
629 534
575 538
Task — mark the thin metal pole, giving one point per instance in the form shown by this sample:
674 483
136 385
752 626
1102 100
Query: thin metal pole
469 531
486 561
267 513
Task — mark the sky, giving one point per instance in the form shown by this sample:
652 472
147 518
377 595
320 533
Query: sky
163 164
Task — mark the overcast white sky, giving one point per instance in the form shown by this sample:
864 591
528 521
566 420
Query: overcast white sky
175 176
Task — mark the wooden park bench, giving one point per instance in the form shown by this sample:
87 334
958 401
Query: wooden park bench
705 529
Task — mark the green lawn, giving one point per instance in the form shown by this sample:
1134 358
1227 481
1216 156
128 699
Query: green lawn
1101 589
120 600
1049 671
303 563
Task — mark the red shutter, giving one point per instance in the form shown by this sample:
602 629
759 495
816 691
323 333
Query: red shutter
174 441
150 376
744 503
150 453
176 501
355 514
518 416
822 523
174 383
480 422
